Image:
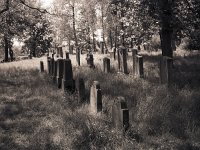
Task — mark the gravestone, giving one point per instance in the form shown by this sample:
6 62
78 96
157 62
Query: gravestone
55 72
66 55
67 81
90 60
52 66
139 66
134 53
120 114
59 72
95 97
122 59
80 88
41 66
166 64
60 51
106 65
48 64
57 52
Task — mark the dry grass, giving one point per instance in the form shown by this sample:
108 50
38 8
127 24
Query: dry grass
36 115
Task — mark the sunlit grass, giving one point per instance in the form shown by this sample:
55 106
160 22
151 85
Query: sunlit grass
34 114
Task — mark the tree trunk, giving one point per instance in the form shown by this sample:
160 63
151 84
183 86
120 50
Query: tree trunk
166 28
111 42
75 37
6 48
115 43
94 45
102 23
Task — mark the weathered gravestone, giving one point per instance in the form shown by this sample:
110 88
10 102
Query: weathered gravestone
41 66
166 64
122 59
66 55
90 60
139 72
48 64
106 65
95 97
120 114
59 72
55 72
68 81
80 89
60 51
51 66
134 53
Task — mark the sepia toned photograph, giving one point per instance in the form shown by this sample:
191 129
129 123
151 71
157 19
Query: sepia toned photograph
99 75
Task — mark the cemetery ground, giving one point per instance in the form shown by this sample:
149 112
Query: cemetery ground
35 114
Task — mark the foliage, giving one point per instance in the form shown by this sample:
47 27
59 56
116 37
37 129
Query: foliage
39 39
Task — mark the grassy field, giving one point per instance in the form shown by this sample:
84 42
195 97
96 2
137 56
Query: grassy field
34 114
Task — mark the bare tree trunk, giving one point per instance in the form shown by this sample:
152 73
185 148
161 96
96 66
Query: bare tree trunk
103 30
115 43
6 48
75 37
166 28
94 45
111 42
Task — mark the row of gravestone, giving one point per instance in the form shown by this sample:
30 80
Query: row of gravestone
165 65
62 75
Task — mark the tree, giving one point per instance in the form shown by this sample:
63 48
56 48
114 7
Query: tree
16 18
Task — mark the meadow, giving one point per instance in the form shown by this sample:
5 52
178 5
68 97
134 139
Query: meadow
34 114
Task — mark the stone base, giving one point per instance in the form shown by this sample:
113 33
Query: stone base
68 85
59 82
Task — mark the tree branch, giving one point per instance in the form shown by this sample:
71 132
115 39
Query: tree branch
35 8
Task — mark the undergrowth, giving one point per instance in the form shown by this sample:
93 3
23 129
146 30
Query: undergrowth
35 114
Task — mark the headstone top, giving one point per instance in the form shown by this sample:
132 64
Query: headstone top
121 102
96 84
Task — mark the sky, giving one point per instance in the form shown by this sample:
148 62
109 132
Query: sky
46 3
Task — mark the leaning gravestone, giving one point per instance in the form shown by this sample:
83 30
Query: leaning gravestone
41 66
106 65
134 53
59 72
67 81
80 88
166 70
139 66
95 97
120 114
122 59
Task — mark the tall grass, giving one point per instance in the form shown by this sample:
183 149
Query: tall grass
34 114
